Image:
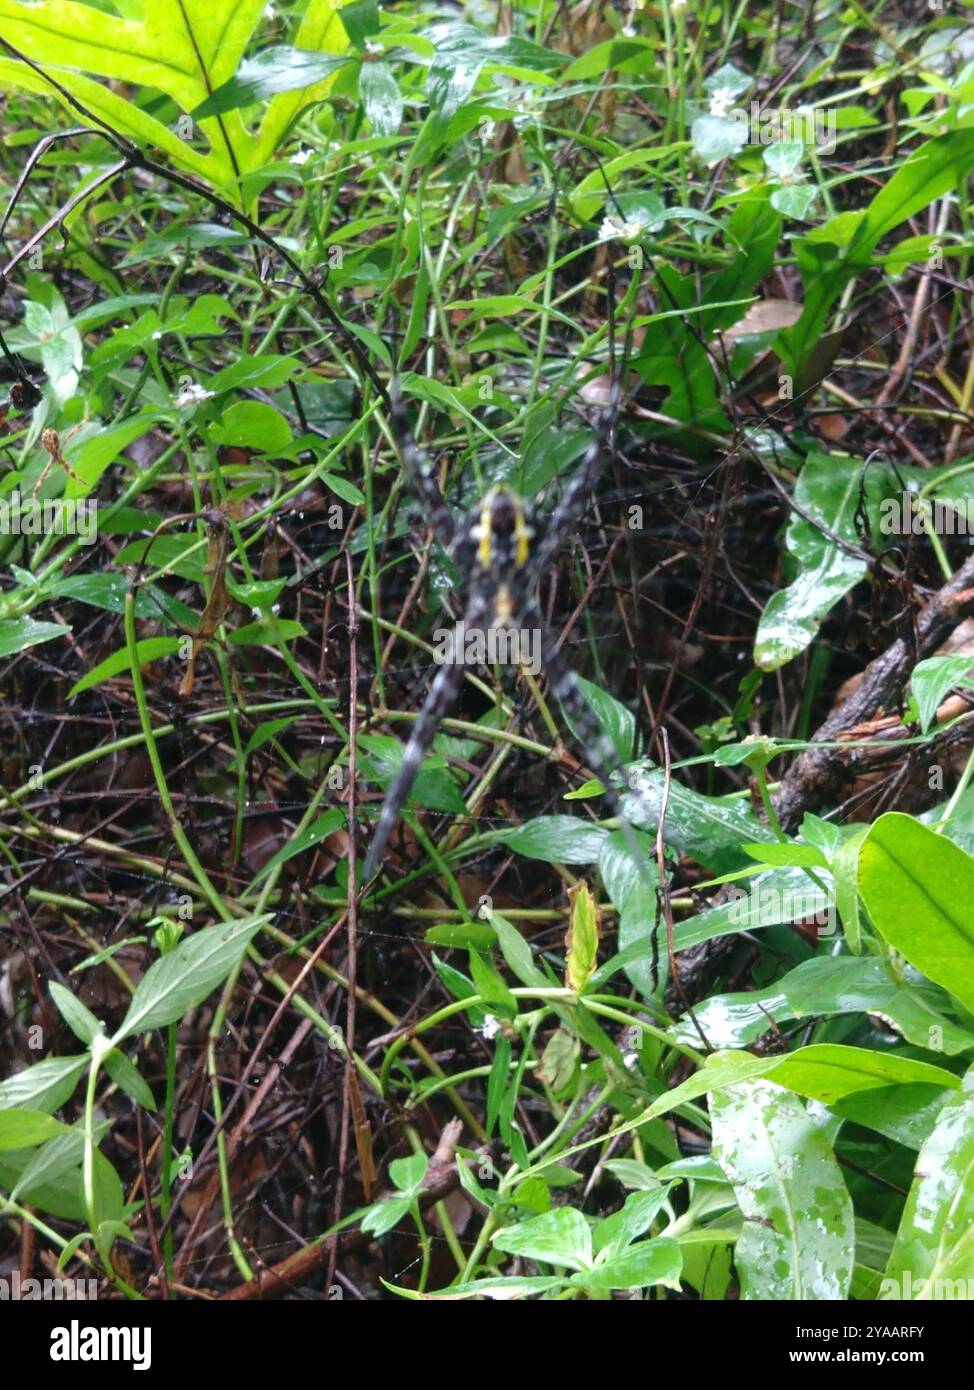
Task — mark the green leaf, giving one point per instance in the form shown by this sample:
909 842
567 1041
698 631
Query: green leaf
45 1086
129 1079
558 839
935 1240
311 836
650 1262
717 137
498 1081
583 939
905 1114
253 425
917 888
148 650
616 722
381 1218
490 986
798 1239
408 1173
559 1237
90 454
273 70
266 372
933 678
788 852
184 976
55 1160
940 166
25 1129
712 830
381 98
80 1020
827 986
828 492
559 1060
516 952
638 1212
823 1071
17 634
186 49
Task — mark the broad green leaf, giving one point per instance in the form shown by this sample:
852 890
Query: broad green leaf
148 650
642 1265
381 98
905 1114
918 888
272 70
934 1246
826 986
53 1161
25 1129
17 634
253 425
407 1173
385 1214
186 975
90 455
265 371
828 491
933 678
557 839
712 830
559 1237
44 1086
633 1220
798 1239
559 1060
616 722
823 1071
187 49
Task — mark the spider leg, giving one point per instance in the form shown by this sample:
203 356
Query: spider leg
602 758
420 472
572 502
441 694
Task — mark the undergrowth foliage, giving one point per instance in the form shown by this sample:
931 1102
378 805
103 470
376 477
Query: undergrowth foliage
607 371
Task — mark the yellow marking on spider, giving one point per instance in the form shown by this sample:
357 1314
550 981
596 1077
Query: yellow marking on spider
503 606
523 533
484 529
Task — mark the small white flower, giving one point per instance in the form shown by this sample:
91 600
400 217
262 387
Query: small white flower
490 1028
630 1059
721 101
191 395
157 335
374 48
269 11
613 227
301 157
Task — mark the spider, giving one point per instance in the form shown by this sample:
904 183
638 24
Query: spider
502 547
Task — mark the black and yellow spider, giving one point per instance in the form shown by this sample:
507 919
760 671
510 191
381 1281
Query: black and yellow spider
502 548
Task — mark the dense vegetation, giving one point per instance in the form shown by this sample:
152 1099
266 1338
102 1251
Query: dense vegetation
696 1024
